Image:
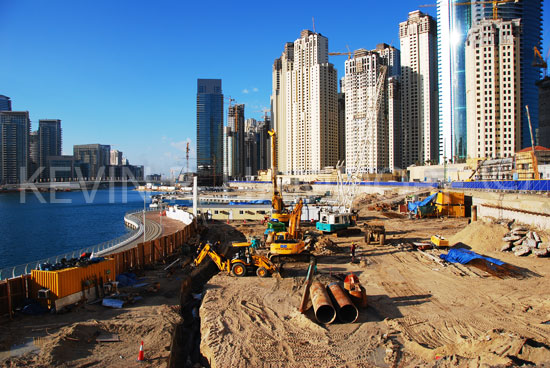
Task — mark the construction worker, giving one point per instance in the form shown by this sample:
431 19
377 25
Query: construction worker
352 248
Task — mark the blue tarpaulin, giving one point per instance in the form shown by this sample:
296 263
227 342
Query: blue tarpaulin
463 256
413 206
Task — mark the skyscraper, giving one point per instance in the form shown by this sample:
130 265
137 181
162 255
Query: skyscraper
34 154
281 106
305 104
419 112
492 76
116 158
210 132
15 127
530 13
5 103
453 23
93 159
235 121
366 126
49 136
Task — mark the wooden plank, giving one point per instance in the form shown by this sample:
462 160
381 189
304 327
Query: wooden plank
9 299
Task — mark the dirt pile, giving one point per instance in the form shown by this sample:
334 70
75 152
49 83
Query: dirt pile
77 344
496 348
480 236
325 246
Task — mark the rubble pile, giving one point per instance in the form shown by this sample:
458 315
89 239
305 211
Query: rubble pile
523 242
325 246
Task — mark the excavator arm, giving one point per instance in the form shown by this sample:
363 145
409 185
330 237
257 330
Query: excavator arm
216 258
294 222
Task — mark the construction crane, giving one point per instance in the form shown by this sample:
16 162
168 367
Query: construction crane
539 62
342 53
347 188
494 3
536 174
280 212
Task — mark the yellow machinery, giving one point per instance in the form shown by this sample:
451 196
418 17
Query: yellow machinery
245 261
279 210
439 241
288 245
450 204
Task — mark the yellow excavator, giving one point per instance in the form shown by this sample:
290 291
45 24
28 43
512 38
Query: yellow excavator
279 212
244 262
289 245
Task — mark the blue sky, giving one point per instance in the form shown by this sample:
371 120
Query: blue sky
124 72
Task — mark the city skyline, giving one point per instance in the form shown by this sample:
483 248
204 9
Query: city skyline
136 90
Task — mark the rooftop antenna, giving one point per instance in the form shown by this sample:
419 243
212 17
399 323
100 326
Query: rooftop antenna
313 21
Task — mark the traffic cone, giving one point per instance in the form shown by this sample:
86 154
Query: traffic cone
140 355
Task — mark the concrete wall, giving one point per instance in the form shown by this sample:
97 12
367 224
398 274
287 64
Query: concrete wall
529 209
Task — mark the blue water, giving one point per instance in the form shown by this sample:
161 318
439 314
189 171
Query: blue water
33 230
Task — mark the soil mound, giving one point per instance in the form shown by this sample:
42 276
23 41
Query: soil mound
480 236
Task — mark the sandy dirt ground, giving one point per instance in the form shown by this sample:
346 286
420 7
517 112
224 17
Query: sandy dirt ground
421 312
70 339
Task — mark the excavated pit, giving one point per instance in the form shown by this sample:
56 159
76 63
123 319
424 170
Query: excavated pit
186 338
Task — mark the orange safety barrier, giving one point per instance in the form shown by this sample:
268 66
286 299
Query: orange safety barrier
13 292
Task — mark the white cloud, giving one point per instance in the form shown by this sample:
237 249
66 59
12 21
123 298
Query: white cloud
254 89
181 145
245 91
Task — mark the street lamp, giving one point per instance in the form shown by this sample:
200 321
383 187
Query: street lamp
145 195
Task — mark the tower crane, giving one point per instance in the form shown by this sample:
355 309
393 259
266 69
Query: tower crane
494 3
539 62
342 53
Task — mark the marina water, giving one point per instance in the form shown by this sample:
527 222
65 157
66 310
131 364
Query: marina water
67 221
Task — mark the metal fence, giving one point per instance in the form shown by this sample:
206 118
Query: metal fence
133 217
505 185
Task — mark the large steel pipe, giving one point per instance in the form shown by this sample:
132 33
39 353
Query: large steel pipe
322 306
347 312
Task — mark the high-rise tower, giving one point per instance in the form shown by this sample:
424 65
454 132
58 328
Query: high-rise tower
492 74
15 127
530 13
49 143
210 132
419 112
305 106
5 103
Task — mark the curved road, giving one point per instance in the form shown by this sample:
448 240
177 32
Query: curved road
152 231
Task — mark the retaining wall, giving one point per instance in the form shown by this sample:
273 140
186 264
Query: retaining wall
13 292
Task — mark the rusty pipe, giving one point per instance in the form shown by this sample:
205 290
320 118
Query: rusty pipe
322 306
347 312
474 213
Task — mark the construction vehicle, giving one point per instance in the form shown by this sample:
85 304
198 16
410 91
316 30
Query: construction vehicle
279 211
375 232
244 262
331 222
289 245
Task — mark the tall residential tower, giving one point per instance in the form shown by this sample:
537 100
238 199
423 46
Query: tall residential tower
493 77
305 106
419 111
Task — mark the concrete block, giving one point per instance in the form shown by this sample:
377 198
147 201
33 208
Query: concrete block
541 252
522 251
528 242
511 238
506 247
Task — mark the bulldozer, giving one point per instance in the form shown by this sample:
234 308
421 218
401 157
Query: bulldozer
289 245
244 262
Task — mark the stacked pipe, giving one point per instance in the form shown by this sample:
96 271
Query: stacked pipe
322 306
324 301
347 312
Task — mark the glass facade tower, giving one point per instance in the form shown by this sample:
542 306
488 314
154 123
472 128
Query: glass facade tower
209 132
454 22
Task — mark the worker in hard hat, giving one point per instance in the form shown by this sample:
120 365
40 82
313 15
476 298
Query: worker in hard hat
352 248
